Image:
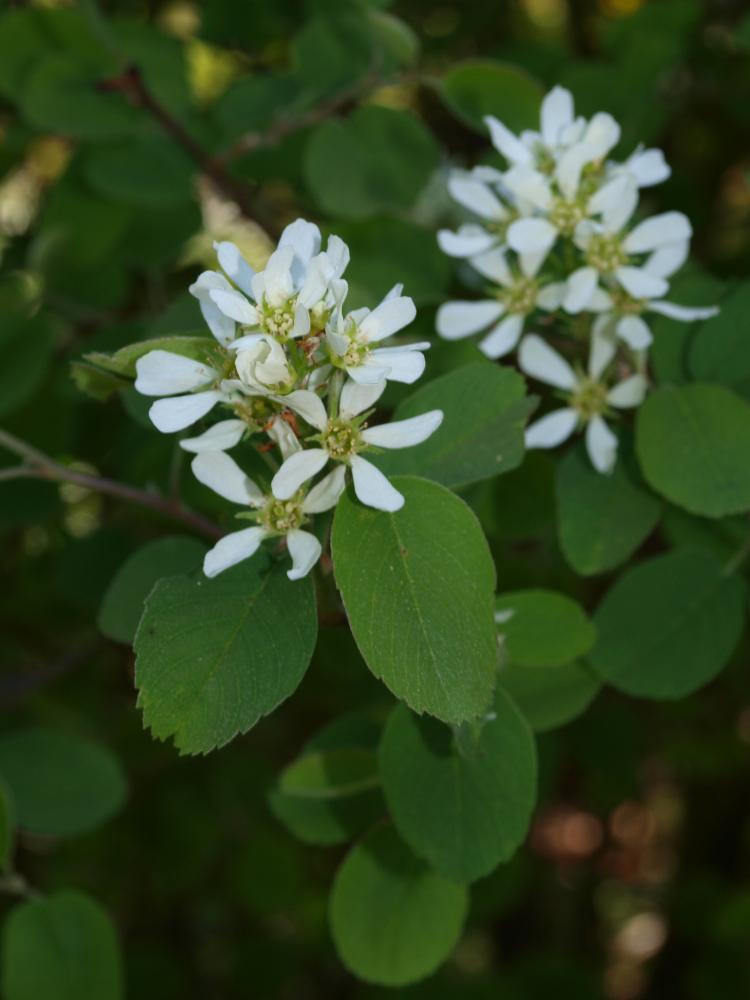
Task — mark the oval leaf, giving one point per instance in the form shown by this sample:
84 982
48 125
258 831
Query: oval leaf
542 628
213 656
482 87
484 412
61 785
549 697
417 588
393 920
693 444
669 625
463 809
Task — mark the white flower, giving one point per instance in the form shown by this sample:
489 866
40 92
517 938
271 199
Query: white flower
162 373
279 300
517 295
276 518
589 398
475 192
559 131
341 439
352 338
263 367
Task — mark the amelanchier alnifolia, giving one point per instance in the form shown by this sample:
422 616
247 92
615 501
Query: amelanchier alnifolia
300 377
556 236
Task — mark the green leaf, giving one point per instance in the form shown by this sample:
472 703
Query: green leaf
417 587
601 520
148 173
7 827
93 382
720 350
61 94
61 948
26 347
484 409
122 362
550 696
331 774
542 628
464 809
213 656
61 785
377 160
393 920
122 605
482 87
337 810
693 443
669 625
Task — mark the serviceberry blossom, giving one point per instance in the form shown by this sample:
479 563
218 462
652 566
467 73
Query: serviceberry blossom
557 236
343 435
589 395
297 376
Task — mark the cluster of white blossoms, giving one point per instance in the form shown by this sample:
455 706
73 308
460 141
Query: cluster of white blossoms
554 233
300 377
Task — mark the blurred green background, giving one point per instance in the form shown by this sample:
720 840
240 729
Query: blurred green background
131 136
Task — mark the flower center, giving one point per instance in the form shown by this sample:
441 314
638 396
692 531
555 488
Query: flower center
279 517
253 410
625 304
341 439
277 321
589 399
605 253
565 215
520 297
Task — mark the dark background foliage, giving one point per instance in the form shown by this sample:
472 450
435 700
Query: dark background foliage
634 882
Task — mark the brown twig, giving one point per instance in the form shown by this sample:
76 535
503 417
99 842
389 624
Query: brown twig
37 465
131 84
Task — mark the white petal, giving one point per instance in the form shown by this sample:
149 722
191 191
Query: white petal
319 273
389 317
225 434
668 259
648 167
538 359
685 313
503 337
531 235
221 326
628 393
232 549
234 265
602 350
529 185
569 167
296 470
506 143
551 430
248 340
368 373
161 373
493 265
303 237
355 399
235 305
220 473
640 283
284 437
601 444
532 261
372 487
308 405
609 195
551 296
669 227
326 493
460 319
305 550
556 114
466 242
580 288
278 285
179 412
477 197
402 366
301 326
338 255
635 332
404 433
602 134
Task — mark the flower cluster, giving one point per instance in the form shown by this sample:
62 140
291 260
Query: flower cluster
300 376
554 233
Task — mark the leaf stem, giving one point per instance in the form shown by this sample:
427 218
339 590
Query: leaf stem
37 465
